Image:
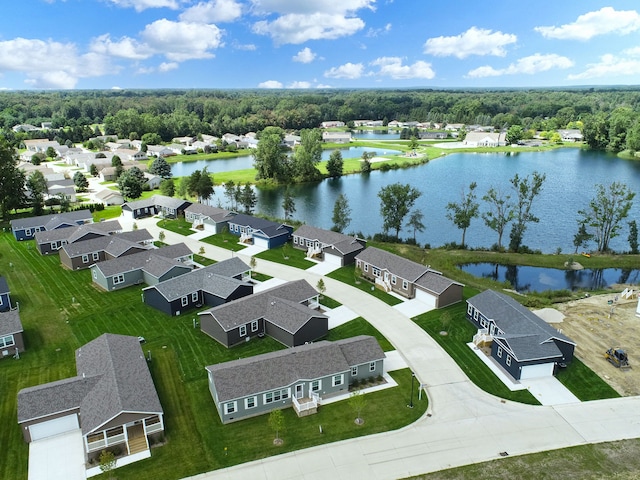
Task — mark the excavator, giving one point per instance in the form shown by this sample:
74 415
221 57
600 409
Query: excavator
618 358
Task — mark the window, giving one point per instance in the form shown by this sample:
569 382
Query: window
499 352
372 366
508 361
27 232
95 256
309 243
243 330
295 240
469 309
118 279
184 301
366 267
85 258
354 371
7 341
316 385
254 326
276 395
230 407
405 284
375 271
337 380
393 279
194 297
250 402
475 315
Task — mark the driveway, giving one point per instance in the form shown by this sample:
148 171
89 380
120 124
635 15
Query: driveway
413 308
57 458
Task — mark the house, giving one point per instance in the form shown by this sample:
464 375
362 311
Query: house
150 267
332 124
336 137
327 245
571 135
485 139
25 127
521 342
286 313
169 207
11 333
109 197
80 255
26 228
184 140
50 241
159 151
112 400
432 135
300 377
207 218
291 140
5 295
214 285
409 279
152 180
454 127
259 231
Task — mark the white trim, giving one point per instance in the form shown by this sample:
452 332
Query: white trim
242 330
230 407
255 402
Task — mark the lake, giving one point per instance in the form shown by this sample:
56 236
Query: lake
537 279
374 135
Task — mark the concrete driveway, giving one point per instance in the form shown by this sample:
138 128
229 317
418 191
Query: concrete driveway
57 458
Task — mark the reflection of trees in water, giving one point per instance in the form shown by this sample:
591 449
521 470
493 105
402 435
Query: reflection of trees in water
629 276
588 279
511 275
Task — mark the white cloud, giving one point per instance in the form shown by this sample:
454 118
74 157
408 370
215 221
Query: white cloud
270 84
475 41
249 47
304 56
348 70
214 11
606 20
306 7
393 67
374 32
141 5
126 47
298 28
167 66
610 66
299 85
180 41
322 85
49 64
527 65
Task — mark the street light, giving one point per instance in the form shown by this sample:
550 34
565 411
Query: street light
413 375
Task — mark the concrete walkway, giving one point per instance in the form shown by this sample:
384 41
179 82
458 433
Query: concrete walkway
464 424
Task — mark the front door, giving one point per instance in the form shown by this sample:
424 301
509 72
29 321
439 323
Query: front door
299 390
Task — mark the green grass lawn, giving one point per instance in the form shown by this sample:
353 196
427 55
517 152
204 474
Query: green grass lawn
347 275
359 326
109 213
225 240
329 302
583 383
287 255
260 277
177 225
203 260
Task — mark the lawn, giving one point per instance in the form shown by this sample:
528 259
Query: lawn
177 225
287 255
347 275
225 240
61 311
584 384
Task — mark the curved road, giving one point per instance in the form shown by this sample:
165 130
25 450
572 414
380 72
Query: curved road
463 424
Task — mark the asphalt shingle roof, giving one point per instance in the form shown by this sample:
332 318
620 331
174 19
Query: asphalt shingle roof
4 286
115 245
155 261
269 228
342 243
214 213
51 221
156 200
10 322
73 234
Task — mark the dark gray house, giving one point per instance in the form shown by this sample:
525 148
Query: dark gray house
327 245
207 218
79 255
287 313
169 207
26 228
112 400
521 342
300 377
396 274
11 333
50 241
5 295
150 267
212 286
259 231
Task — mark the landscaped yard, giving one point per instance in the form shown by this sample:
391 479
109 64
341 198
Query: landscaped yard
61 310
225 240
287 255
347 275
178 225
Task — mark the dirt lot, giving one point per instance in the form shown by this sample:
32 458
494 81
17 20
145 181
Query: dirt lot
590 323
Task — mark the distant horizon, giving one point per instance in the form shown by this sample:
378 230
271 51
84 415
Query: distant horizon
316 44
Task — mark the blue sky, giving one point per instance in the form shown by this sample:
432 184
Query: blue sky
103 44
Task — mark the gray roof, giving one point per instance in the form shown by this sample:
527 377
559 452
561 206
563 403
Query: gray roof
113 378
106 193
269 228
342 243
156 262
10 322
528 336
435 282
4 286
215 279
72 234
115 245
214 213
261 373
51 221
252 307
156 200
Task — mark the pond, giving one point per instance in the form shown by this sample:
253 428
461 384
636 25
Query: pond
537 279
375 135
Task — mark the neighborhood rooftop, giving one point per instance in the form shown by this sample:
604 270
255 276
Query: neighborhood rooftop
341 242
155 262
114 245
51 221
10 322
71 234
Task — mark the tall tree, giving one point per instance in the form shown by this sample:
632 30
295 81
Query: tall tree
500 212
248 199
515 133
606 211
288 204
582 237
307 155
130 184
80 181
159 166
527 189
269 157
462 213
335 164
415 222
341 217
204 187
633 237
168 187
37 187
396 200
230 194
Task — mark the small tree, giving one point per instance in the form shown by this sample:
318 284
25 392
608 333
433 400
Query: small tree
51 153
276 423
321 287
335 164
93 170
462 213
581 237
341 214
80 181
288 204
445 320
107 462
415 222
633 236
357 402
253 263
161 236
168 187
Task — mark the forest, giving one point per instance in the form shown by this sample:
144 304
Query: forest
609 117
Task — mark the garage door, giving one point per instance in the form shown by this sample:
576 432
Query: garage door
333 259
53 427
425 298
261 242
535 371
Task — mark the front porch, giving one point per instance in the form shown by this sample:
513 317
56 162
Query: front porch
129 439
306 405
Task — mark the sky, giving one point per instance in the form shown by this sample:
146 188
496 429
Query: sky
310 44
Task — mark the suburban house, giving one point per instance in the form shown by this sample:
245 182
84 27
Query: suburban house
522 343
207 218
5 295
327 245
112 400
287 313
432 135
169 207
336 137
332 124
409 279
11 333
152 180
259 231
50 241
485 139
65 186
571 135
150 267
26 228
109 197
212 286
78 255
300 377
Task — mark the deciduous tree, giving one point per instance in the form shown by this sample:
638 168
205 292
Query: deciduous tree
396 200
248 199
159 166
80 181
269 157
500 212
415 222
288 204
341 217
335 164
462 213
527 189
